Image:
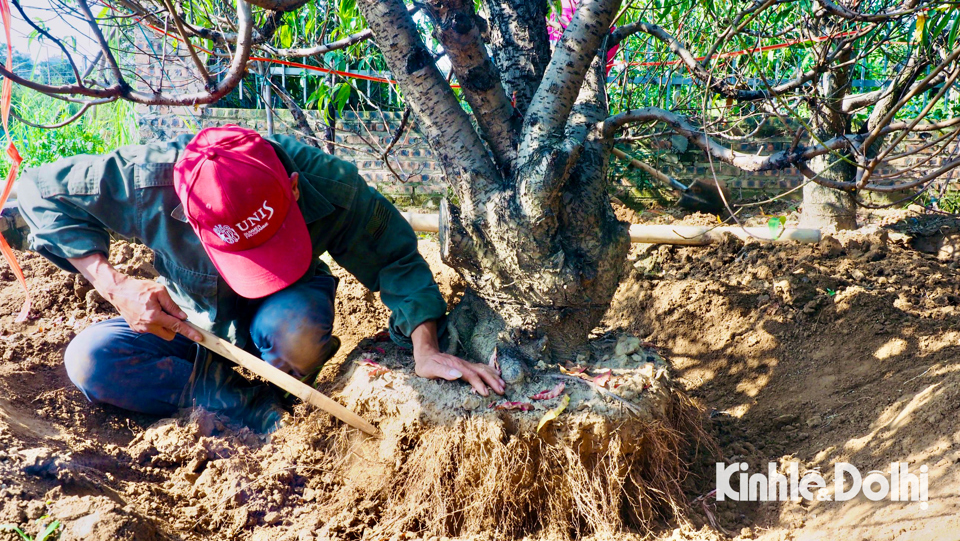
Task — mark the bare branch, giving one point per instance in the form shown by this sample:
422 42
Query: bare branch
649 169
104 45
929 126
404 120
746 162
738 23
70 120
259 36
718 85
183 35
298 116
863 175
342 43
42 32
929 177
850 15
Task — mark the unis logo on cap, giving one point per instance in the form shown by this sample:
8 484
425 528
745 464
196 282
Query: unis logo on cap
256 223
226 233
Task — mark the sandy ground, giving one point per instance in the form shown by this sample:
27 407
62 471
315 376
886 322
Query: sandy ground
845 351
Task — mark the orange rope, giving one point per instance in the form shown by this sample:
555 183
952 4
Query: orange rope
14 156
763 49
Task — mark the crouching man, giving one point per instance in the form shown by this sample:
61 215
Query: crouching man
237 223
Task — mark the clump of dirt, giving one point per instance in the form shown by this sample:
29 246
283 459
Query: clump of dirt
99 517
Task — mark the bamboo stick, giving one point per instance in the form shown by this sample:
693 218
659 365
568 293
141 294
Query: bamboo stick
283 380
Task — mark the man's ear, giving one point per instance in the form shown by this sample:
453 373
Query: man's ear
295 186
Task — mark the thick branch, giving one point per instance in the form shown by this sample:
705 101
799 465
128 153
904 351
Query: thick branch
520 45
796 157
457 30
466 162
564 75
746 162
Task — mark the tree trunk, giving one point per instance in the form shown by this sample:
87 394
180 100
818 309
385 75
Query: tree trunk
828 208
533 233
536 291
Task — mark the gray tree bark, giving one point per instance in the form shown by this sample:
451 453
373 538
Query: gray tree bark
521 49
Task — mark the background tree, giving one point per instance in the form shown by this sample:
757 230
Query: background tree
525 139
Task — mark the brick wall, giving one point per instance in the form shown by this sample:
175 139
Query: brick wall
361 139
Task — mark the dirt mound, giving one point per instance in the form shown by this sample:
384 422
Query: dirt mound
98 518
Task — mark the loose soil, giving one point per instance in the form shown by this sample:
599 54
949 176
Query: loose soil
846 351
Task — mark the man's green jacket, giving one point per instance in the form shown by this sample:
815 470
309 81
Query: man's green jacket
73 204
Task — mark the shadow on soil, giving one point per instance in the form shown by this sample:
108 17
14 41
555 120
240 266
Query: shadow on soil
844 352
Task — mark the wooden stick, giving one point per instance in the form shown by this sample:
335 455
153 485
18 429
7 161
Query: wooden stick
689 235
283 380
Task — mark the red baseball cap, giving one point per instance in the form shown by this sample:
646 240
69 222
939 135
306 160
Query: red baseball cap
238 198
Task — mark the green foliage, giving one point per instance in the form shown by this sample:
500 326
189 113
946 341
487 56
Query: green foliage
324 96
48 531
101 129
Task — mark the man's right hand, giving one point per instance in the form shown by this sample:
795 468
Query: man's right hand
145 305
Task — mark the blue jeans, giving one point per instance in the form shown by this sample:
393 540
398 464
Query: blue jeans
112 364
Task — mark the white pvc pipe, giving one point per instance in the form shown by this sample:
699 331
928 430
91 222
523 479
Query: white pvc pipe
690 235
698 235
427 223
